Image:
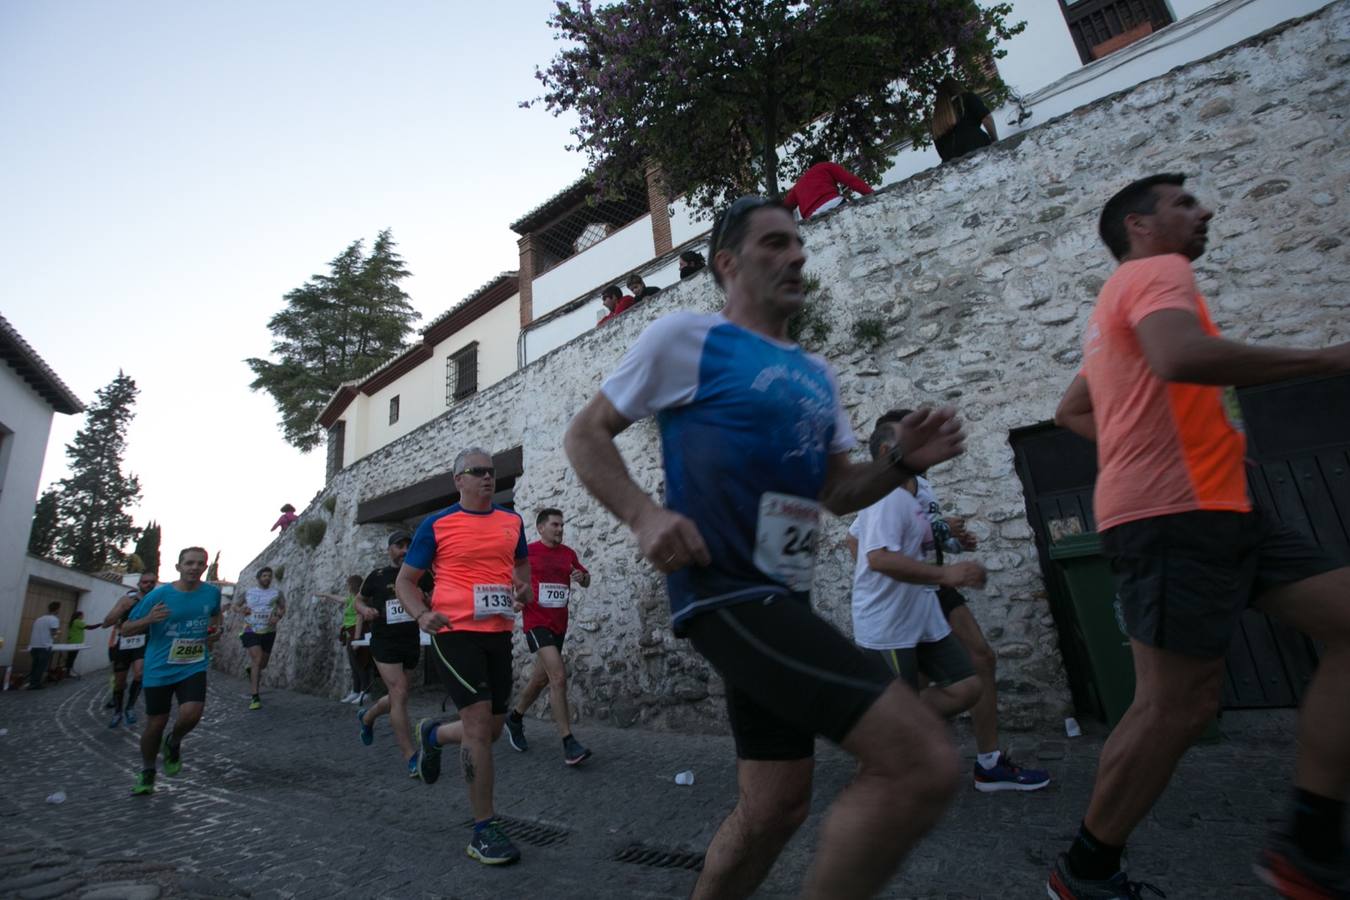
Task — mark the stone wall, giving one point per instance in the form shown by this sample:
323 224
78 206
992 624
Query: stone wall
976 278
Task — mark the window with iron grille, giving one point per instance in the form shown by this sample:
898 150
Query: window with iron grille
336 435
1100 27
393 409
461 374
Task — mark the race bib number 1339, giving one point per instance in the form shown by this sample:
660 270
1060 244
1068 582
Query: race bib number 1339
493 600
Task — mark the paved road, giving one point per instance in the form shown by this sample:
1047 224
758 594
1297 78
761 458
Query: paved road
286 802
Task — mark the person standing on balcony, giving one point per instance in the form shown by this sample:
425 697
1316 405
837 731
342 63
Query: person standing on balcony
615 300
817 190
639 288
961 122
1190 553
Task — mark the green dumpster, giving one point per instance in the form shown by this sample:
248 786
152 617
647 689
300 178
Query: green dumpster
1097 620
1100 624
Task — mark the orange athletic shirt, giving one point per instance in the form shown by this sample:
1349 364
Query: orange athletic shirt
1162 447
463 548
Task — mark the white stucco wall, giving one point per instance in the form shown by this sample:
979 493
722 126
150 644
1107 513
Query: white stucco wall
421 391
615 256
686 223
25 423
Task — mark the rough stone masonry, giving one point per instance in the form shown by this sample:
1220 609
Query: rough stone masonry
969 283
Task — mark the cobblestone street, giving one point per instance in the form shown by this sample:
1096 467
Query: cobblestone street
286 802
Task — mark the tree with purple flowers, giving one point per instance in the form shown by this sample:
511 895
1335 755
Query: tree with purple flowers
738 96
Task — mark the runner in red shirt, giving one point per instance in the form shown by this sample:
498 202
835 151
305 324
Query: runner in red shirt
1189 552
553 569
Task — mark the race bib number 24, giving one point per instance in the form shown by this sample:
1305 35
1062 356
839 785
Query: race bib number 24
785 539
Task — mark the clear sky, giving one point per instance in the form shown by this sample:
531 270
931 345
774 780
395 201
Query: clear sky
171 169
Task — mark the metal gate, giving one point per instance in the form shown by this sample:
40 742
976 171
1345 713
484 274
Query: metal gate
1298 436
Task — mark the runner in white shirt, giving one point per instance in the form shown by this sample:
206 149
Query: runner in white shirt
262 607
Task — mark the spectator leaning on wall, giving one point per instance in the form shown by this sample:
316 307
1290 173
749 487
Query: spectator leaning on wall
615 300
817 190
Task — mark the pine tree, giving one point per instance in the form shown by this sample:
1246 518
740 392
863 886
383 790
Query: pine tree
95 524
147 547
46 524
335 327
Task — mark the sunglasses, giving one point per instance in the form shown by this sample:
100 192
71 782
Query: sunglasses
732 216
479 471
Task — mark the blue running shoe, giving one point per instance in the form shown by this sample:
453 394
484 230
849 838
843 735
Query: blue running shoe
1007 775
428 756
116 720
131 717
412 765
492 847
367 731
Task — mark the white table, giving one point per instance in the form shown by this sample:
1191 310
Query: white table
55 648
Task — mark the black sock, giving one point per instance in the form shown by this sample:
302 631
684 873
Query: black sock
135 692
1092 859
118 695
515 716
1316 825
150 772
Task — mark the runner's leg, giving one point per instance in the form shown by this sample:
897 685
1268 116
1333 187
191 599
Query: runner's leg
907 774
137 670
395 678
255 668
555 672
474 733
1175 697
533 688
189 715
984 714
774 797
151 738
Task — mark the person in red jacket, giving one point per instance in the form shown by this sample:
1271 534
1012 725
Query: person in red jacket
817 190
616 301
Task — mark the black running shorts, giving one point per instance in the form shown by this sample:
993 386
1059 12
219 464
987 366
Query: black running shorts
253 639
190 690
476 666
543 636
396 650
789 674
943 662
1183 580
122 660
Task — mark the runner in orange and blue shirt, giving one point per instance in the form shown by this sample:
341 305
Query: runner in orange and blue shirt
477 554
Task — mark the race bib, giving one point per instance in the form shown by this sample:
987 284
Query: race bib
260 621
554 596
493 600
184 651
785 539
394 614
131 642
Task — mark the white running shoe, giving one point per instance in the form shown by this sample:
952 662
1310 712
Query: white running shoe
350 698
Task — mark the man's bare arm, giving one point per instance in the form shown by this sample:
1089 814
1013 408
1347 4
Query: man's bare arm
670 541
912 571
1075 410
1178 349
927 437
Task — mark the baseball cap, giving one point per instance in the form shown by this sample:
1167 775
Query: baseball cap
399 536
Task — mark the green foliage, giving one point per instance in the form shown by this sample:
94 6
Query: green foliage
279 572
310 531
869 332
147 548
711 89
809 327
94 525
330 503
810 283
334 328
46 522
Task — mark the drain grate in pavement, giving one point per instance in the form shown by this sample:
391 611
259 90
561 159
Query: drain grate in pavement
536 834
640 854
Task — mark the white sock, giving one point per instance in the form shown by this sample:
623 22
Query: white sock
988 760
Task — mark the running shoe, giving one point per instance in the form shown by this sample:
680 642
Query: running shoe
428 757
492 847
173 763
573 753
255 703
116 720
145 783
1064 885
350 697
1285 867
412 765
1007 775
131 717
367 731
515 732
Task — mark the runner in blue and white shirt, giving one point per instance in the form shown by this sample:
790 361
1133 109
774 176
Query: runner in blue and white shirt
754 441
182 619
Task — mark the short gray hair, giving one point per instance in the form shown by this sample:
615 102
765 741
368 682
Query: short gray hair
465 454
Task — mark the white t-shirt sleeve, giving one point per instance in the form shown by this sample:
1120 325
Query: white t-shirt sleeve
881 526
661 369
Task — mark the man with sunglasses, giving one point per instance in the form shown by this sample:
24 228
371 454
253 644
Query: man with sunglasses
476 553
127 652
755 441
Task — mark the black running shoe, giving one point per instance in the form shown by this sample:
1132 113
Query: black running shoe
492 847
428 756
515 732
1064 885
574 754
